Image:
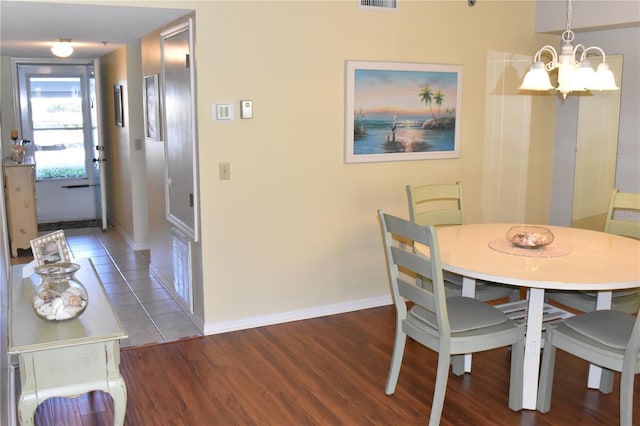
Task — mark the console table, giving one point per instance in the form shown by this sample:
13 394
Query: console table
65 358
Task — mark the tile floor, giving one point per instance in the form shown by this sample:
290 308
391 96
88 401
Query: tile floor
146 310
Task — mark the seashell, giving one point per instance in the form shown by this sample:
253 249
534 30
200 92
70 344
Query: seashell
75 300
62 314
57 304
46 295
46 309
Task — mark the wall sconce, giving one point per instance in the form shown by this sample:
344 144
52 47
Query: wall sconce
62 48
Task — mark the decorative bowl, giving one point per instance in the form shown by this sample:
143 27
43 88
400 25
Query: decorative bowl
60 296
525 236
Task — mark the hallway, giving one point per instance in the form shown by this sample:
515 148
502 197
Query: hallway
146 310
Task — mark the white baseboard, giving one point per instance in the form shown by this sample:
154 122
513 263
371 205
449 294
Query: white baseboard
134 246
301 314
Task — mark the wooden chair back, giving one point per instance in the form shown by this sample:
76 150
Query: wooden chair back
436 204
620 216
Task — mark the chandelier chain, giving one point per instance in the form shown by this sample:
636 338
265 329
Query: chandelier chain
568 35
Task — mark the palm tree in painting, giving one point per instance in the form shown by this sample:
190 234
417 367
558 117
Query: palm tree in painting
426 96
438 99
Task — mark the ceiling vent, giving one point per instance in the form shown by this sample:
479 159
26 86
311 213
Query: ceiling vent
379 4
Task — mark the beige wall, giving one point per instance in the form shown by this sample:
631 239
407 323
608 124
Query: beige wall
295 228
113 69
126 180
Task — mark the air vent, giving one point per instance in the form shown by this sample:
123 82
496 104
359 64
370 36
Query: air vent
379 4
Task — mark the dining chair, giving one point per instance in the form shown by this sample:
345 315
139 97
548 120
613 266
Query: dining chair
441 205
608 338
620 221
451 326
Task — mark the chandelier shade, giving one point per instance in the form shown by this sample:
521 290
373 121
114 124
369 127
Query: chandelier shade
62 48
575 73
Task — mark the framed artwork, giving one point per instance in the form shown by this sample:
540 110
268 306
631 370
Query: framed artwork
117 102
50 248
152 108
398 111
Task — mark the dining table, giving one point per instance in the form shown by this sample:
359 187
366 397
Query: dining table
576 260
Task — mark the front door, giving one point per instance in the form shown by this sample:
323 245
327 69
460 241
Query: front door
58 116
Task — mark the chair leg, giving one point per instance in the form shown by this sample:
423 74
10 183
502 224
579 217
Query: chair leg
457 365
626 398
516 376
606 381
442 376
396 360
545 387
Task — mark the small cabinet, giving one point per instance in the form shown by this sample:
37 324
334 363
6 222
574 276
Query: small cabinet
21 203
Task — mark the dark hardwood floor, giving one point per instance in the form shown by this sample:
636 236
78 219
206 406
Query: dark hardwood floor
325 371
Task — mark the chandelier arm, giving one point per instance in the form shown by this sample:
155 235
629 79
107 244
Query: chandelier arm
578 51
584 53
554 57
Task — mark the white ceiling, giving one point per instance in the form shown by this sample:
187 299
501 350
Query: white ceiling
28 29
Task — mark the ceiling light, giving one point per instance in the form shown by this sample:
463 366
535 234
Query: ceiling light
62 48
573 75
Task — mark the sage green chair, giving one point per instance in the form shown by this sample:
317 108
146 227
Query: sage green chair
607 338
620 220
451 326
441 205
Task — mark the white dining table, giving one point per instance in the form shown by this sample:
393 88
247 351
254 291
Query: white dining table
577 259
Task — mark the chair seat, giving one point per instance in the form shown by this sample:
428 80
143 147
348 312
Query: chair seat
484 291
611 328
621 300
465 314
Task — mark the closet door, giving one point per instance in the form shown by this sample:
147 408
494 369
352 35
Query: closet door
181 152
596 152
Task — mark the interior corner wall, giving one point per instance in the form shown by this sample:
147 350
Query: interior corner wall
124 147
5 279
624 41
113 69
139 206
7 111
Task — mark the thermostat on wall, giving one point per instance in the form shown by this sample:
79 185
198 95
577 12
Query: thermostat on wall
246 109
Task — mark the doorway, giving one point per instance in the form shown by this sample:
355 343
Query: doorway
58 120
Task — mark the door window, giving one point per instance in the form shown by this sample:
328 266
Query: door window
58 132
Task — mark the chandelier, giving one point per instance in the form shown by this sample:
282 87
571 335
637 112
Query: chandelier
574 75
62 48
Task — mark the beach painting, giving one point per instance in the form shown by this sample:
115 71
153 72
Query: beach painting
402 111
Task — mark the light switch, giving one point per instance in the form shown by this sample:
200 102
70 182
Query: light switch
246 109
225 171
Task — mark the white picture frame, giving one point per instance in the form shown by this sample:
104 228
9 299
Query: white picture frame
397 111
50 248
151 95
